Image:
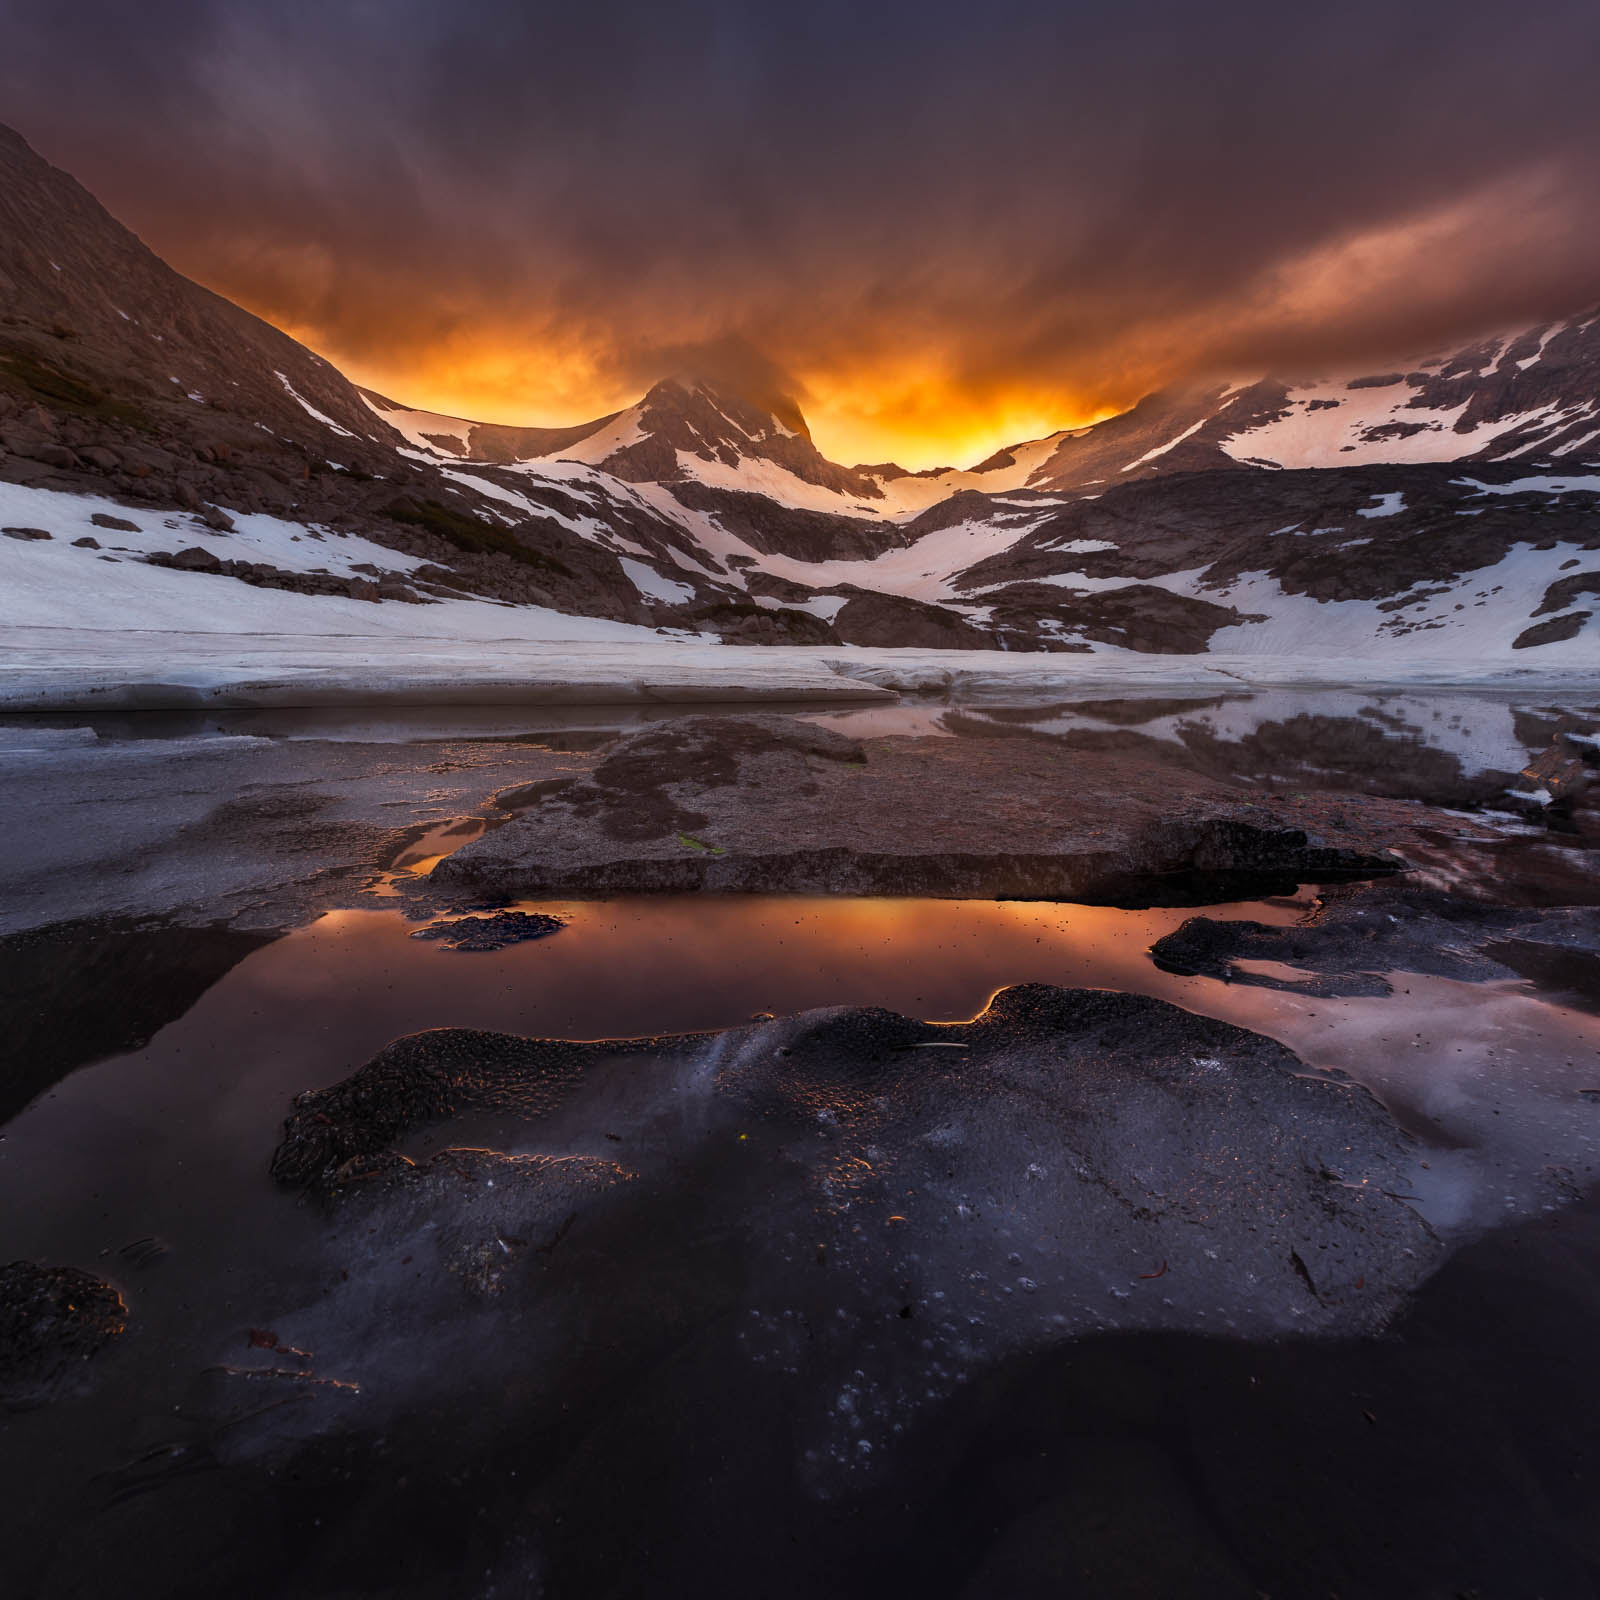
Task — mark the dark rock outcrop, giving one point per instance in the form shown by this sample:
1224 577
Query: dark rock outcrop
1551 632
890 619
52 1321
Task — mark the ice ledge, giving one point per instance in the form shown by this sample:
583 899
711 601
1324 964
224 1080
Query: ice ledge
85 670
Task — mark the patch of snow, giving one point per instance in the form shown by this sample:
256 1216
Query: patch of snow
309 409
1171 444
1387 505
650 582
52 585
416 426
1341 435
826 606
1471 619
618 434
1544 339
1080 547
920 571
1572 445
1542 485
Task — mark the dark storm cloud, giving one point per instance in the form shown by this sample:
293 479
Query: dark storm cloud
938 205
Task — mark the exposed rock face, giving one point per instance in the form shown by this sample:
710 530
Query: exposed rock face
52 1320
82 290
770 804
743 623
777 529
1552 632
1140 616
891 619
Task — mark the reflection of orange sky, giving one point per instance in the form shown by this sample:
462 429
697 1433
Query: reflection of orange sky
709 961
917 417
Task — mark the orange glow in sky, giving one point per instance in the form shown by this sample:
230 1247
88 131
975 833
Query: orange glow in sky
917 417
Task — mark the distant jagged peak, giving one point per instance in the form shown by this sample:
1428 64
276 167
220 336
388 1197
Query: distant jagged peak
694 394
778 410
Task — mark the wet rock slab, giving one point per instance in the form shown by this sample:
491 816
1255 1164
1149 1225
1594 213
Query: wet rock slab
1114 1140
772 804
794 1244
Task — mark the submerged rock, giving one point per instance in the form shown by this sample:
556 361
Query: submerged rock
772 804
492 932
52 1320
1347 948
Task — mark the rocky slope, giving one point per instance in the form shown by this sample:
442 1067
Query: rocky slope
119 376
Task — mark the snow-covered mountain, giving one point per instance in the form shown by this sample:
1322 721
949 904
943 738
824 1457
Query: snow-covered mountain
1448 504
690 429
684 427
121 379
1530 395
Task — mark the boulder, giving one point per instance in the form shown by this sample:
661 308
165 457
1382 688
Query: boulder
195 559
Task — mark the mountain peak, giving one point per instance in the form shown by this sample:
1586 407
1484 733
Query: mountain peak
744 403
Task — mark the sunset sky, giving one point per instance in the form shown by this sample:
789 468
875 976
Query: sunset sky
948 226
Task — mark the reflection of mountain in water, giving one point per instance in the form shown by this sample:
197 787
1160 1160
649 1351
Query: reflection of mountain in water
81 991
1456 750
